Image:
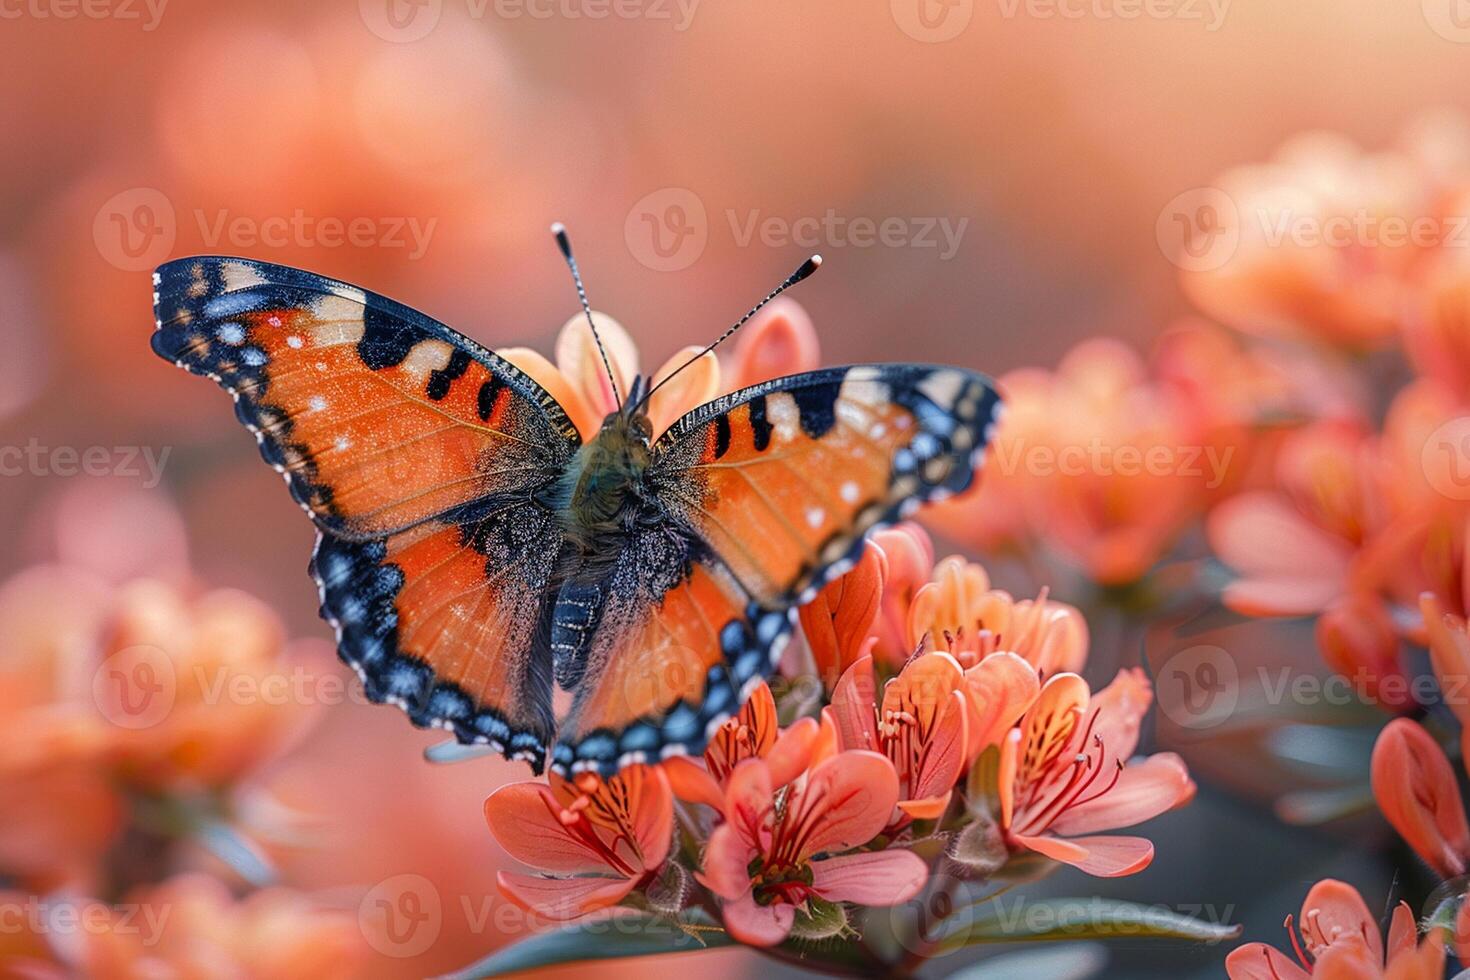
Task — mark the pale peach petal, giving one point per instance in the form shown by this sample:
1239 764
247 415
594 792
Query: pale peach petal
950 600
580 361
1010 752
1143 791
523 820
870 878
1417 792
1424 963
544 373
1057 715
792 753
562 898
726 863
653 814
1000 688
944 754
1336 910
748 798
1105 857
1347 959
691 781
909 560
923 688
758 925
696 384
1403 931
1120 708
856 792
927 808
779 341
1276 550
853 707
1257 961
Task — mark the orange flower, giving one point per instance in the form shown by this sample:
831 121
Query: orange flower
1417 792
751 734
191 926
599 839
1064 773
780 340
1339 937
838 624
1095 460
1313 260
921 727
909 555
768 860
1358 640
959 613
1449 653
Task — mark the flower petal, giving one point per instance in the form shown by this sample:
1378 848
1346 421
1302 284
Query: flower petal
854 708
856 792
1335 909
557 385
871 877
1449 652
780 340
580 361
696 384
1105 857
523 819
748 798
562 898
758 925
1417 792
1289 565
1143 791
792 753
908 559
838 621
652 812
1000 688
726 862
1257 961
1120 708
692 782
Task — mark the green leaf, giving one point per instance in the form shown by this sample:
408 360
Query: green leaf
603 938
1021 919
1067 962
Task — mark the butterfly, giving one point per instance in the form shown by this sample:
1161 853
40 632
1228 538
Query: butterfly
475 552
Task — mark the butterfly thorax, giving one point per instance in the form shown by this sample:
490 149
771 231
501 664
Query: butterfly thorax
604 486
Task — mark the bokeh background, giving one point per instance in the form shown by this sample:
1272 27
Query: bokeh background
1023 157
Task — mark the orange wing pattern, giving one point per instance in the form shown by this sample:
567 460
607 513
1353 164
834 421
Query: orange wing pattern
783 480
420 456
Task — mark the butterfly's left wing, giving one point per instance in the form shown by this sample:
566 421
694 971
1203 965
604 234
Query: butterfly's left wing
768 493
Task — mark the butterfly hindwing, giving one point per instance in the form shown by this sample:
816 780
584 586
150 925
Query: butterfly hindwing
771 489
421 457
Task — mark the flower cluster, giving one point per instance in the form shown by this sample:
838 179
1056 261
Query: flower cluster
978 746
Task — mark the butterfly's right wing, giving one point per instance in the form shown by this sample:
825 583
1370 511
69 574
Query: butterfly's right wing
421 457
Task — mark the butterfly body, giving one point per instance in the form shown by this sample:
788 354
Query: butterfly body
475 550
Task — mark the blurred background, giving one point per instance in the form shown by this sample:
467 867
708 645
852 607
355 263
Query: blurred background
990 182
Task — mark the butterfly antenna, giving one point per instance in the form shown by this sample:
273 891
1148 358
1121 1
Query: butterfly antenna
805 269
565 244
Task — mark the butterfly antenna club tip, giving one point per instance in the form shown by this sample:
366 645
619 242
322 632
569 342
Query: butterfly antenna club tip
564 243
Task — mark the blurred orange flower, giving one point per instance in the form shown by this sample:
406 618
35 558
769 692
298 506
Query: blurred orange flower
597 838
1064 773
1339 937
1095 460
1416 789
921 725
191 926
767 860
